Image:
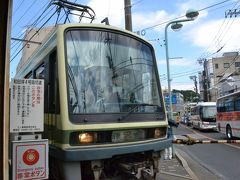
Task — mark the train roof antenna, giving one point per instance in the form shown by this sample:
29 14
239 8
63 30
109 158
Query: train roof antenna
74 9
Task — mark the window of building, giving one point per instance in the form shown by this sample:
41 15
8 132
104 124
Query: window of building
237 64
226 65
216 66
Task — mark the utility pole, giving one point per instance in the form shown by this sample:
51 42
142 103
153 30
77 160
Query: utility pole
194 78
128 15
205 83
5 30
205 80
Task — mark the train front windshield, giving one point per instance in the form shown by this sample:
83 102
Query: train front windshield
110 73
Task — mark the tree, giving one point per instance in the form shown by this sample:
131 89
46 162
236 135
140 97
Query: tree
188 95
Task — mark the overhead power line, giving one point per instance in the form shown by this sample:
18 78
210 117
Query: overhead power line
18 7
68 8
219 36
25 13
165 22
31 38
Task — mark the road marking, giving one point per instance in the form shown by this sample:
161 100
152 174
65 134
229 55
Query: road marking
237 147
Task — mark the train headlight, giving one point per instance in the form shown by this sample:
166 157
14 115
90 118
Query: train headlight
87 137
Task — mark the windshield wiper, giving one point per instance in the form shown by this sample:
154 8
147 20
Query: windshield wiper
134 108
73 82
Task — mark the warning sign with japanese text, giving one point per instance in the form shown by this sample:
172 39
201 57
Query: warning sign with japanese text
26 112
30 160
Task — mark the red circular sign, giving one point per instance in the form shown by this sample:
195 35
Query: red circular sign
30 157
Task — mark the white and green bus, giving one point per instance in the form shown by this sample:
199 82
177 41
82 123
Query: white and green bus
103 104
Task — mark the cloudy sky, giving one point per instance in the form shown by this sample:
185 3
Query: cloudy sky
210 35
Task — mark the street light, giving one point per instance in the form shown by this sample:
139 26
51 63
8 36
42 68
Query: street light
176 25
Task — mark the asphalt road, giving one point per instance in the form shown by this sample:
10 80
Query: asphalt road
221 159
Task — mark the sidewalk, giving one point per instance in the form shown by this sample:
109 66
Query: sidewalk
182 167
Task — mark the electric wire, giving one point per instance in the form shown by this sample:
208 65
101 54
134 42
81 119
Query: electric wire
165 22
234 59
18 7
24 14
32 37
19 35
137 2
216 38
33 25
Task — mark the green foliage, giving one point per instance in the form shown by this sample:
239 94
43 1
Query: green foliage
188 95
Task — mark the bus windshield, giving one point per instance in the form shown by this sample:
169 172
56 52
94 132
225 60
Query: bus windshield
110 73
209 112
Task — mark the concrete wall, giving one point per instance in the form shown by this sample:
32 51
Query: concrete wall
29 48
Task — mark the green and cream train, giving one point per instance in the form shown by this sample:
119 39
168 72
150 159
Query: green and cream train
104 114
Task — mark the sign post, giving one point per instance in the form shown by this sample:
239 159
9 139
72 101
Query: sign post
26 112
29 151
30 160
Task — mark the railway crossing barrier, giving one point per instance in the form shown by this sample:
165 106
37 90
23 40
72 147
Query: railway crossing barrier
190 141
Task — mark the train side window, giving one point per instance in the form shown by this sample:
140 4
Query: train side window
29 75
39 72
53 92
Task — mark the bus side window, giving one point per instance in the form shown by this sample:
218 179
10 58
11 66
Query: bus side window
229 105
237 105
200 112
221 107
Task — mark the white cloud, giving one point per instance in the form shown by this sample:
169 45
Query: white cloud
147 19
192 4
204 34
114 10
184 86
178 62
200 33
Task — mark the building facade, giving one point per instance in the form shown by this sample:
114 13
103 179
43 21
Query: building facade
220 76
177 102
35 37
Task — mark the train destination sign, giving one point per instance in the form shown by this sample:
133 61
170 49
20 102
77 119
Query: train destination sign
30 159
26 112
